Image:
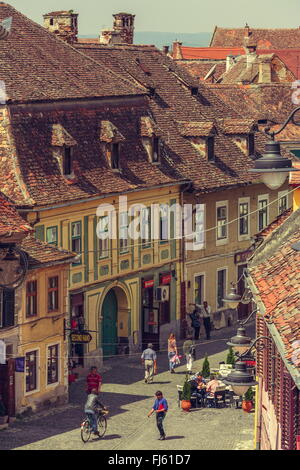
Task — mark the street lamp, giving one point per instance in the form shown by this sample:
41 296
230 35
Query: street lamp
272 166
240 379
232 298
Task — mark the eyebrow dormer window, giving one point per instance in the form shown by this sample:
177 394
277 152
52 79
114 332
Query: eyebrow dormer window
210 148
115 156
67 161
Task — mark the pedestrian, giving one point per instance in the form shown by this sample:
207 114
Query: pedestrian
94 380
196 323
160 407
149 360
172 352
92 407
205 314
190 353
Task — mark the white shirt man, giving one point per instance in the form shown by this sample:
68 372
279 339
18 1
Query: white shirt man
205 314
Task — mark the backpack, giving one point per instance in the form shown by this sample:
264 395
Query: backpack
193 352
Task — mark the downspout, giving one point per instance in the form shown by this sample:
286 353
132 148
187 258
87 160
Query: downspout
183 277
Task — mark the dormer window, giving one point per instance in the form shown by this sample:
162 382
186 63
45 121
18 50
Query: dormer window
155 149
67 161
150 138
251 145
115 156
210 148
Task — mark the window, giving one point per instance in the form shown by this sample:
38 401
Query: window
31 370
155 149
67 161
221 287
76 239
115 156
53 289
243 212
31 299
52 235
199 289
282 201
104 236
164 222
210 142
262 204
123 230
52 365
146 227
199 226
7 308
251 144
51 21
222 209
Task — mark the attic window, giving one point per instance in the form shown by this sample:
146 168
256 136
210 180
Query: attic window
210 148
67 161
194 91
155 149
115 156
251 145
51 21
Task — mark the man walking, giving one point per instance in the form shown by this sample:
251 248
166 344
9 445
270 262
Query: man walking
190 352
160 407
149 360
205 315
195 317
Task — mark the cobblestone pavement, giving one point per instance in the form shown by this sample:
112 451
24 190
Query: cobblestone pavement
129 400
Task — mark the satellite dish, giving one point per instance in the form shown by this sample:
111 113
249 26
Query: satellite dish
5 28
211 72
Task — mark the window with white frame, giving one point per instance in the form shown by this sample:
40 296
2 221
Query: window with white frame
52 235
243 218
52 364
222 221
262 214
146 227
164 222
282 201
104 236
199 226
31 371
221 286
123 232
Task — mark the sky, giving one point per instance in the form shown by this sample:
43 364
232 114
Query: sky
181 16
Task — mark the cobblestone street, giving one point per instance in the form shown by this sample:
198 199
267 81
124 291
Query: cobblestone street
129 399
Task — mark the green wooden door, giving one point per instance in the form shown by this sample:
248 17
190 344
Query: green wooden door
109 324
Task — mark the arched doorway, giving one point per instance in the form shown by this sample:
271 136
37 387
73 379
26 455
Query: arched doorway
115 321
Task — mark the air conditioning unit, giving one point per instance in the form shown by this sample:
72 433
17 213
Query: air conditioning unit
162 293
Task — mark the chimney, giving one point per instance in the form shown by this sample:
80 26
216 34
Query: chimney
264 72
176 53
165 50
230 61
124 26
247 31
250 47
62 23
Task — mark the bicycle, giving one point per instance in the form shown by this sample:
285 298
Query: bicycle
86 427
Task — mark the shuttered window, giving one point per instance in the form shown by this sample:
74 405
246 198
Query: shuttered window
7 308
288 415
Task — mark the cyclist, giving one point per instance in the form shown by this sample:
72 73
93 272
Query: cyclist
92 407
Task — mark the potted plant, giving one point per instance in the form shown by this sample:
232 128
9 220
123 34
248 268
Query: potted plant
3 412
230 357
205 368
247 403
186 395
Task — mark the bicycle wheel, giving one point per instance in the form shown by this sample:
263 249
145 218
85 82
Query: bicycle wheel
86 430
102 425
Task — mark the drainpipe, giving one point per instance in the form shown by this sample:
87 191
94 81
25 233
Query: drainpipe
183 271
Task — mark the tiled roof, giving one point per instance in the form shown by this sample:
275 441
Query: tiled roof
88 40
275 270
200 68
109 133
291 57
10 221
264 38
195 129
37 66
61 137
275 224
40 253
237 126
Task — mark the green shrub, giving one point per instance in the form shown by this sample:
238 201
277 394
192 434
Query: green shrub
249 395
205 368
230 357
186 391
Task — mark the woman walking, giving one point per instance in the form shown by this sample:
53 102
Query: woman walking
172 351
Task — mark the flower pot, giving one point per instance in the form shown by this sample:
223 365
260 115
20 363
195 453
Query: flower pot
3 419
186 405
247 406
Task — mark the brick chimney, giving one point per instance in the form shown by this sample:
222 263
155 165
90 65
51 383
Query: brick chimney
122 32
62 23
176 53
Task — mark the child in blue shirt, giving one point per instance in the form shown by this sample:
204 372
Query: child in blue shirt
160 407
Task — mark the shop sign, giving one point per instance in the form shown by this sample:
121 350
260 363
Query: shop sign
20 364
242 256
149 283
166 279
80 337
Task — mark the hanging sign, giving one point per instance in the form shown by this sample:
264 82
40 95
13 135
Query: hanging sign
149 283
166 279
80 337
20 364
